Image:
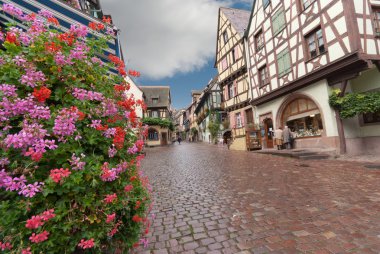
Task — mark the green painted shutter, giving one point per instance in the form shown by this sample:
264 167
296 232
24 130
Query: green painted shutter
287 64
280 64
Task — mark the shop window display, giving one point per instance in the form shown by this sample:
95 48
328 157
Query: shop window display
303 117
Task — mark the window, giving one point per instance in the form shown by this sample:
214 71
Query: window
152 134
238 120
371 117
154 101
231 91
263 76
315 43
376 20
283 62
249 116
266 3
224 64
154 113
259 40
225 37
306 3
278 21
233 55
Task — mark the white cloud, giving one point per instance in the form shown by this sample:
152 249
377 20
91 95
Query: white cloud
163 37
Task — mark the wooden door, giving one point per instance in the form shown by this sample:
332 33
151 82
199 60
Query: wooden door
164 139
268 126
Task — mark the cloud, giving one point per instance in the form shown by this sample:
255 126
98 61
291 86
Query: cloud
163 37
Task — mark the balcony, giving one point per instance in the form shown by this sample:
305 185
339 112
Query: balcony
91 7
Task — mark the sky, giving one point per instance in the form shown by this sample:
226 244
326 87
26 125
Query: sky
171 42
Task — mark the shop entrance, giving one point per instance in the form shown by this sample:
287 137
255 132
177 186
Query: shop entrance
268 128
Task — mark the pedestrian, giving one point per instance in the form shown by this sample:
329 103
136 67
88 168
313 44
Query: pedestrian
278 138
179 139
286 135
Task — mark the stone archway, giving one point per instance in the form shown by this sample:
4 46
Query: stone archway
302 115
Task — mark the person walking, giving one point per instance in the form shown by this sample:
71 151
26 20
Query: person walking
278 138
286 135
179 139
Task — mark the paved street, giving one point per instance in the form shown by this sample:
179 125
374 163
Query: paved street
211 200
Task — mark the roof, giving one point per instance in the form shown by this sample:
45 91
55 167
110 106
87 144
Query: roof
239 19
162 93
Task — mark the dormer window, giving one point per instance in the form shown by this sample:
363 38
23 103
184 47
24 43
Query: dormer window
154 101
225 37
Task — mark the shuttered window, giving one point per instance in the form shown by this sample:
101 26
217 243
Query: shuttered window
283 63
278 21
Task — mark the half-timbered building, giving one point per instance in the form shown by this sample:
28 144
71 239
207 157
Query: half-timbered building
232 72
158 102
298 51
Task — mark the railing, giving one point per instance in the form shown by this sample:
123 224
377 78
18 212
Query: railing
91 7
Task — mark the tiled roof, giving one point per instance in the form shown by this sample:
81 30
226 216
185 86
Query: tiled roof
238 18
162 93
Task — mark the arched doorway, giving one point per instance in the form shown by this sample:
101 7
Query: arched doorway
268 130
302 115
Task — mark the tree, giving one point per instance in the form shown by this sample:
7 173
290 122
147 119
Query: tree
214 126
69 163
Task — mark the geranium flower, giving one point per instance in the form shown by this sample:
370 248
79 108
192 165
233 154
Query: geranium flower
86 244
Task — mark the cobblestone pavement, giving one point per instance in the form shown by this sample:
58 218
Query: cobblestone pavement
211 200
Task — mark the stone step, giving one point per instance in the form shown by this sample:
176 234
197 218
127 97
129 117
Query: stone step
315 157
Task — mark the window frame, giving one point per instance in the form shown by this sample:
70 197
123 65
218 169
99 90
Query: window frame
302 4
225 37
376 19
231 90
238 120
259 35
155 111
265 81
316 38
266 3
233 52
154 101
154 133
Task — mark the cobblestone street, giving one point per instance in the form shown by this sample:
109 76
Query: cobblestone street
211 200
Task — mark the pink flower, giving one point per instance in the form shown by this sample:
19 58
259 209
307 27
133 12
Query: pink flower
39 220
128 188
39 237
31 190
5 246
34 222
110 218
26 251
86 244
110 198
58 174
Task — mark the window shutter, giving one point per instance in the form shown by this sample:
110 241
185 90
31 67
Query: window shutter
226 93
232 121
280 64
286 61
235 88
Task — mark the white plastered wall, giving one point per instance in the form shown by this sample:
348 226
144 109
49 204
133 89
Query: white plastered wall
319 93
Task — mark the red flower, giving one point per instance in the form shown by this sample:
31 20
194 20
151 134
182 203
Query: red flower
128 188
119 138
11 38
52 47
133 178
107 20
39 237
42 94
110 198
86 244
137 218
34 222
53 21
102 128
36 156
5 246
138 204
110 218
81 115
66 37
58 174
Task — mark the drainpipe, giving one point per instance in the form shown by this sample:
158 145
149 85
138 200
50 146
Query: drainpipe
339 121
